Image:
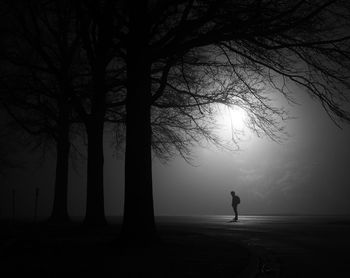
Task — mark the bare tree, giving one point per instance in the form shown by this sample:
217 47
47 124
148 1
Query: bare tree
37 80
105 91
72 77
251 45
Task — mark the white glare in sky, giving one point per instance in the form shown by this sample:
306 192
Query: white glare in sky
231 122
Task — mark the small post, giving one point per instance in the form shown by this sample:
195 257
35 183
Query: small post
13 205
36 204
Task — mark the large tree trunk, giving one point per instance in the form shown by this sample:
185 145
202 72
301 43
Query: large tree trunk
60 211
95 215
95 197
102 16
138 222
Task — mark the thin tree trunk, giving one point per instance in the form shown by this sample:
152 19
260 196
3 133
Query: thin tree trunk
60 210
95 215
102 15
138 222
95 197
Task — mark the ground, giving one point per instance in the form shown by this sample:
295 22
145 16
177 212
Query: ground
209 246
182 252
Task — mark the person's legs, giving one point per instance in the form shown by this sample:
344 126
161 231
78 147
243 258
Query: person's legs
236 213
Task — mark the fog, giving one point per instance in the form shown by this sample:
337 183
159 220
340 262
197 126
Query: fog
306 174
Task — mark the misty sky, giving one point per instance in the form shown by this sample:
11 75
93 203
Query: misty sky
308 174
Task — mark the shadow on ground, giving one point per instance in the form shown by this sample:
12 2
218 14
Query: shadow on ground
183 252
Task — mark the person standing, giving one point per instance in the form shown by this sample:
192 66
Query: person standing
235 201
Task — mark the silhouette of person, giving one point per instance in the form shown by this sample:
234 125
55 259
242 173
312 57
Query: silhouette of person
235 201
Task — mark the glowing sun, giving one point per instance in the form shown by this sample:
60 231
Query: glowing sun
231 118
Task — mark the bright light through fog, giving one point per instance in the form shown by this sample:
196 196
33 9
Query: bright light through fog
231 123
231 118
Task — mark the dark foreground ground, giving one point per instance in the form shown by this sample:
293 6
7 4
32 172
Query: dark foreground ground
256 246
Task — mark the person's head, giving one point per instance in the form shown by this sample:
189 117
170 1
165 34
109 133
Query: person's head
233 193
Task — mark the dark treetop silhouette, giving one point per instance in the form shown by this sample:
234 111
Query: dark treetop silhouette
160 65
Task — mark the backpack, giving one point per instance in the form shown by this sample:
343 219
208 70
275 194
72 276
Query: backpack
238 200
